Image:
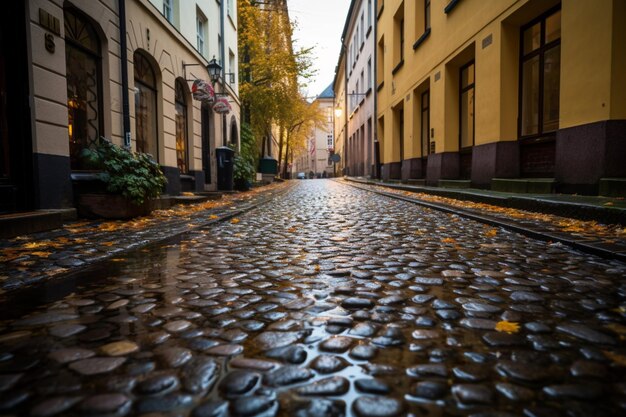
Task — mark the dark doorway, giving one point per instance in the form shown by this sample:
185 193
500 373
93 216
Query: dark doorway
205 118
16 157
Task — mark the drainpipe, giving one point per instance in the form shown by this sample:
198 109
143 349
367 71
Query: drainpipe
223 59
375 127
124 62
345 113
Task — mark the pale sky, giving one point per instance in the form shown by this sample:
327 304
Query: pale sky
319 24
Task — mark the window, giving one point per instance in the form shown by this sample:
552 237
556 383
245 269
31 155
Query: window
369 74
362 84
380 62
467 106
201 30
401 40
425 113
180 105
168 11
540 75
362 28
369 13
229 7
231 67
145 105
329 141
84 81
219 50
398 40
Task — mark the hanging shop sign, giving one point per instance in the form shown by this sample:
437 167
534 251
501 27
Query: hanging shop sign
203 91
222 105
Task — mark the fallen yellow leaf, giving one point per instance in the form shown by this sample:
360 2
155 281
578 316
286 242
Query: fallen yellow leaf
235 221
292 230
507 326
108 243
448 240
212 217
619 360
608 203
491 232
41 254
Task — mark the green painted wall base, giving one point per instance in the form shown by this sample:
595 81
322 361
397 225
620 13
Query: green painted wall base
524 185
613 187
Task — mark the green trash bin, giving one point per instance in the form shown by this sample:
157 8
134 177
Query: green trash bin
268 166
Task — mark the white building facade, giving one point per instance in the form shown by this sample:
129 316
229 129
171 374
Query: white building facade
66 63
358 42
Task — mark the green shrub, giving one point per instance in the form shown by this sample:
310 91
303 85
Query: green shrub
136 176
245 160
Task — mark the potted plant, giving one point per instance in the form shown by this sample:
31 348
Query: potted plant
131 180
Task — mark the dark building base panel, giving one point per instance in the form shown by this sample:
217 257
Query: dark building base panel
586 153
442 166
173 186
392 171
53 181
494 160
412 169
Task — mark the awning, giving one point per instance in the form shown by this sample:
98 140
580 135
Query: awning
222 105
203 91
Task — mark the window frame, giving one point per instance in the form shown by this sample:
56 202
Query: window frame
201 31
180 100
462 90
425 109
154 89
97 58
168 10
540 136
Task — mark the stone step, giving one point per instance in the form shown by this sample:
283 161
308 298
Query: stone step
419 182
212 195
189 199
454 183
613 187
16 224
524 185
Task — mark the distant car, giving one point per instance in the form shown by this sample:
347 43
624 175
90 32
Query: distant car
301 176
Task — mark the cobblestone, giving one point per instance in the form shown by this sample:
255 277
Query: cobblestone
329 301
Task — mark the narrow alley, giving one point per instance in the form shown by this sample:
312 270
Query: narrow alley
327 301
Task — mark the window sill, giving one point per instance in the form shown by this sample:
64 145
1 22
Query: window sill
367 34
187 177
451 5
421 39
397 67
380 86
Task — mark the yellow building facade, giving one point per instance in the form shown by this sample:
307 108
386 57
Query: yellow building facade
499 93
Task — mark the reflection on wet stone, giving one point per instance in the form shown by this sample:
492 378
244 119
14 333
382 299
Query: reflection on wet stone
323 305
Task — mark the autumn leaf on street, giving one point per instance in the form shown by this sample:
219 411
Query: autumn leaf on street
212 217
292 230
448 240
235 221
507 327
617 359
491 232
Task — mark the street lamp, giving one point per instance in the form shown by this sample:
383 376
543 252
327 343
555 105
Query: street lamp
214 69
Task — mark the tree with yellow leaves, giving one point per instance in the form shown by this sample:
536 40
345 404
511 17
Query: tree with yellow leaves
270 71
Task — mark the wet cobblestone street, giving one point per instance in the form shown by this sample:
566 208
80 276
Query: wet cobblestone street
327 301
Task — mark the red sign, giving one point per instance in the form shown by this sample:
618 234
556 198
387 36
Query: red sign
203 91
222 105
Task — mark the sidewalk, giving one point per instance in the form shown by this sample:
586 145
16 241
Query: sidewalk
35 258
576 221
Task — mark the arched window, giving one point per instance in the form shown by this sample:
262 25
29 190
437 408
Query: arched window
145 106
83 72
180 101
